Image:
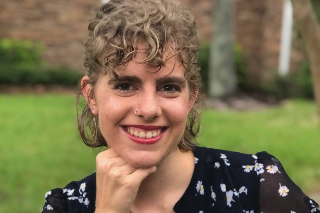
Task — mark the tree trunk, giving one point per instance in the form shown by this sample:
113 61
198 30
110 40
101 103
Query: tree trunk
306 21
222 76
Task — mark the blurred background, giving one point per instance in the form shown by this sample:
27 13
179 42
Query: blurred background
261 85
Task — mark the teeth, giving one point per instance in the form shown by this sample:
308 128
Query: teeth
143 134
148 135
155 133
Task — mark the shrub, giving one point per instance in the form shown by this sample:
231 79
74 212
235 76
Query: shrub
20 54
302 81
295 85
21 63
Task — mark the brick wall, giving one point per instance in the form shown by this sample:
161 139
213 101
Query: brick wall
62 27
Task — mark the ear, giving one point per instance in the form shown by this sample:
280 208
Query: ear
88 94
193 98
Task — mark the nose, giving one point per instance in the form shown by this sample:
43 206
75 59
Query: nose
149 105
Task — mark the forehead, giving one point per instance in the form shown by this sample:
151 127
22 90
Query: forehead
172 62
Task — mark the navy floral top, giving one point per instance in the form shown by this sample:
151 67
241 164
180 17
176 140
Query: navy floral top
222 182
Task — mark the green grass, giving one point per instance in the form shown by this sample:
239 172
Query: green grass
40 148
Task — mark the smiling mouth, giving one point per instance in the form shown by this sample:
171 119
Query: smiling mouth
142 133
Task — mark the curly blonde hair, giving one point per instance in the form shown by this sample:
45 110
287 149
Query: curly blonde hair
118 25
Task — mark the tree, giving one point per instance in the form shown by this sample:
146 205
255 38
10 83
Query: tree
306 20
222 75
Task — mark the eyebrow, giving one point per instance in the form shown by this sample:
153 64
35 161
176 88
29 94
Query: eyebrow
172 79
128 78
135 79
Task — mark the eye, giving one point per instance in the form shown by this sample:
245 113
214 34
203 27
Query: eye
171 88
124 87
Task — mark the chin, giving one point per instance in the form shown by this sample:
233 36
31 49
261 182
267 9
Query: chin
143 162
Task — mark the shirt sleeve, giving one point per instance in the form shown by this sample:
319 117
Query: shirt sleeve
55 202
278 193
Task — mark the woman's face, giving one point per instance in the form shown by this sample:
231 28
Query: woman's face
162 100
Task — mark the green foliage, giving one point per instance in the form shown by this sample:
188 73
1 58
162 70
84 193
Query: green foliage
295 85
20 54
45 76
21 63
203 58
302 82
240 64
316 7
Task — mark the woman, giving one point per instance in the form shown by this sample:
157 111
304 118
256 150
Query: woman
141 93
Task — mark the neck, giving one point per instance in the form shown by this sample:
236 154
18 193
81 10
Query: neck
169 182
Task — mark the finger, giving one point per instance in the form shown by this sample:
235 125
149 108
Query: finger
127 169
140 174
105 163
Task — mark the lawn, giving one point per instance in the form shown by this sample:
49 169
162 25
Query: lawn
40 148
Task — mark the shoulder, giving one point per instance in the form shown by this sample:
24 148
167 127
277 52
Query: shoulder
228 158
75 196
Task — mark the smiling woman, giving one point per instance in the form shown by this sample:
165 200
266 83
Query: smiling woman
141 94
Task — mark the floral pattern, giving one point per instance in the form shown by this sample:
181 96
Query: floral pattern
223 182
200 188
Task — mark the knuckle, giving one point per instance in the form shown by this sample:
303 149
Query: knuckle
116 173
104 165
99 157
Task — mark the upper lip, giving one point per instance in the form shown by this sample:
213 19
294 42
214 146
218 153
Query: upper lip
144 127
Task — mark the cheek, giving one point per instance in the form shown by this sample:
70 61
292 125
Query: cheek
177 111
111 112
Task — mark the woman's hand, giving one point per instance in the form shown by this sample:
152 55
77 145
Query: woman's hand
117 182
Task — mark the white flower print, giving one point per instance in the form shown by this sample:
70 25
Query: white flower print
243 189
258 167
47 193
283 190
73 198
48 207
217 165
68 191
223 187
272 169
255 157
314 208
262 179
213 195
82 194
86 202
201 211
292 212
247 168
235 193
200 188
80 200
224 157
82 187
229 197
196 160
249 211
